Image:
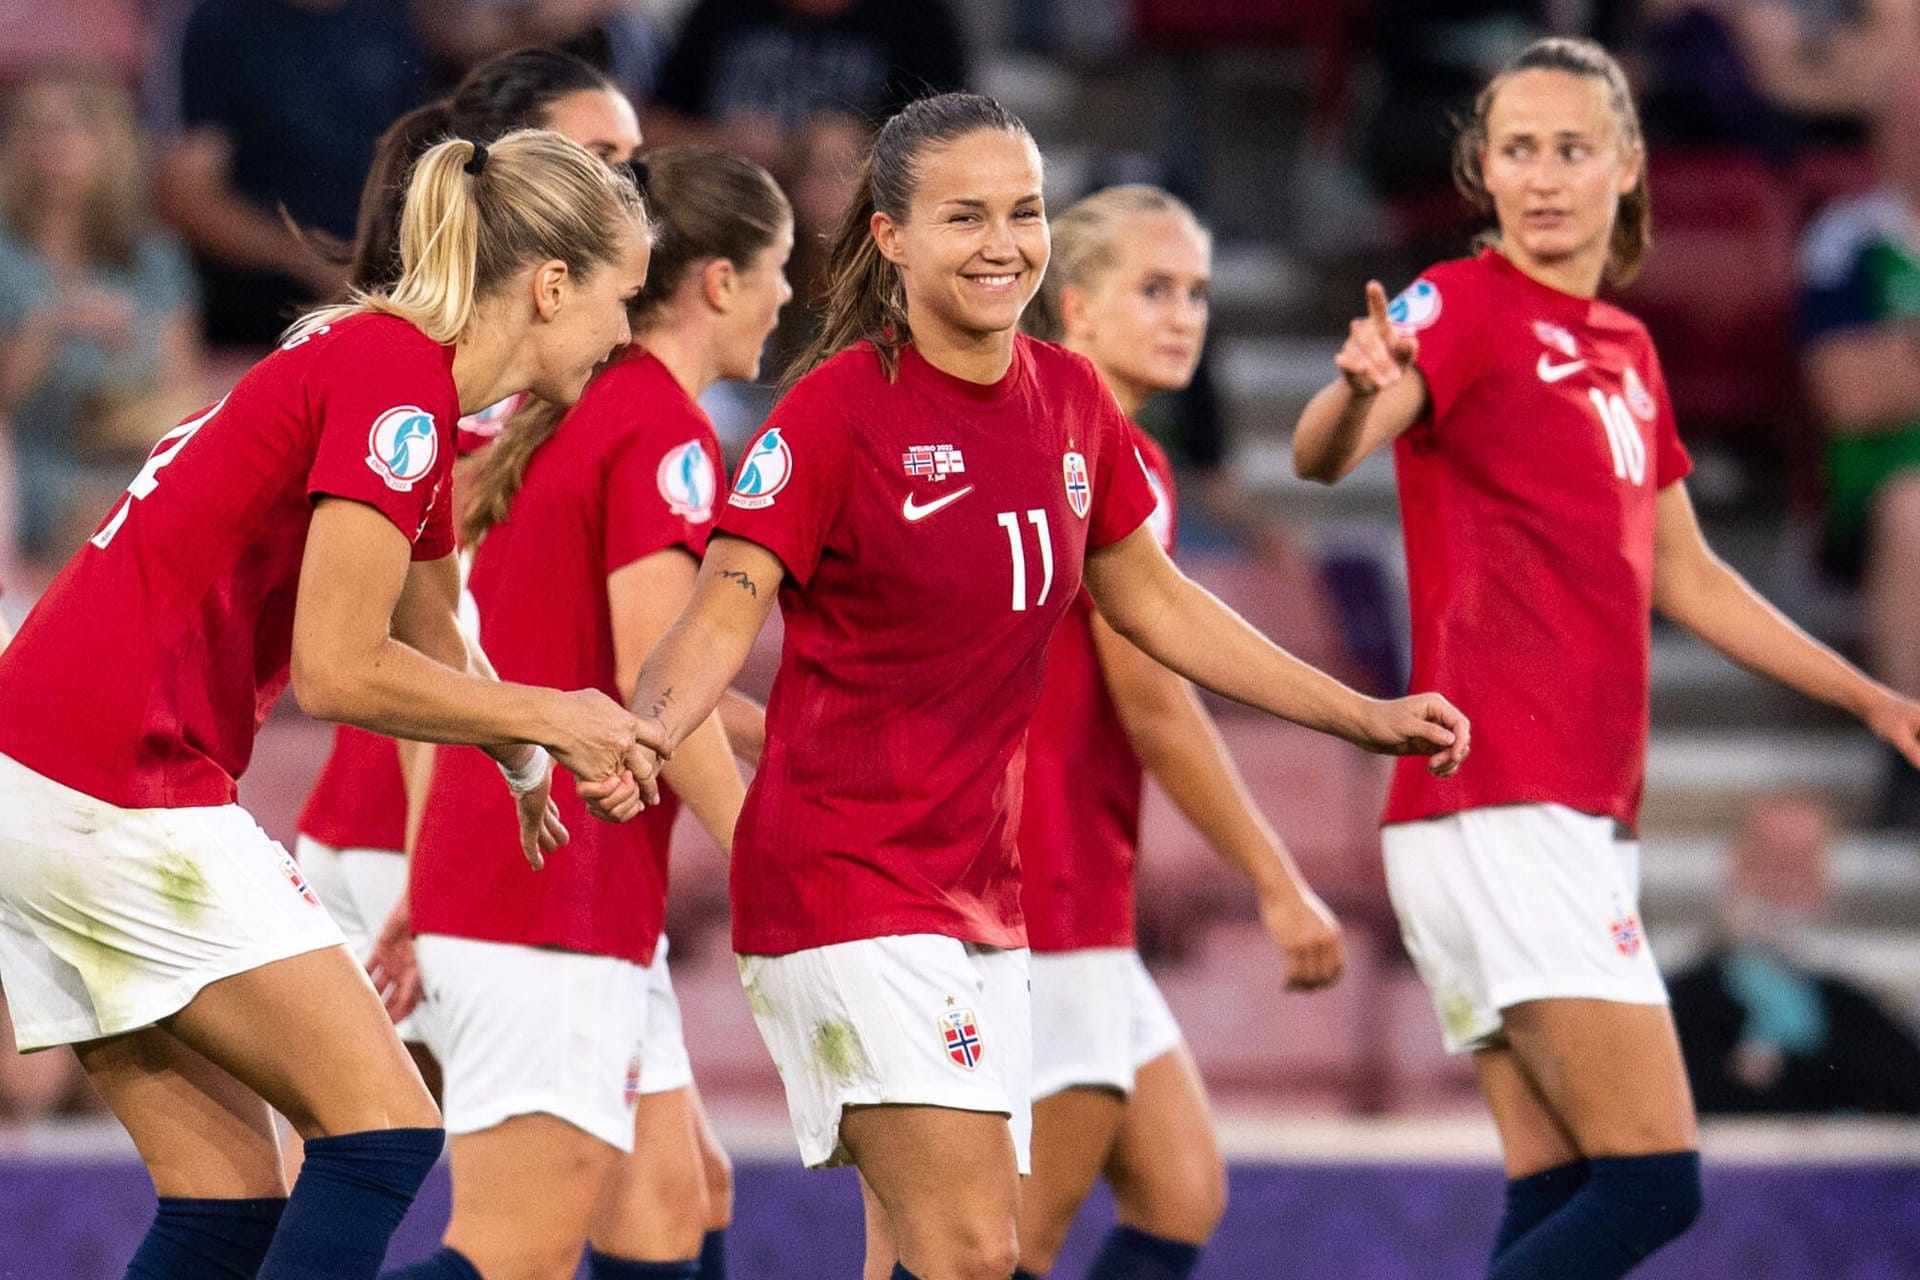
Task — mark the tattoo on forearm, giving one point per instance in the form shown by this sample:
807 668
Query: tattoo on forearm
740 576
661 703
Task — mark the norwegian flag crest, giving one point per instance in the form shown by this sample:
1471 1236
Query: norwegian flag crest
962 1036
1073 468
933 461
1627 936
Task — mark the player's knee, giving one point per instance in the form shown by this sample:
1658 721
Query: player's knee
983 1250
1654 1198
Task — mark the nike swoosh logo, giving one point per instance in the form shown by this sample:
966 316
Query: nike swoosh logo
1551 372
915 513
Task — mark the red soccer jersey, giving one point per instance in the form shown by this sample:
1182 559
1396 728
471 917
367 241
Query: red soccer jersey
145 671
360 799
630 472
1527 498
933 532
1080 813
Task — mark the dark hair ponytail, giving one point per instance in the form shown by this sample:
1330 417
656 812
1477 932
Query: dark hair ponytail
512 91
705 204
1633 217
864 299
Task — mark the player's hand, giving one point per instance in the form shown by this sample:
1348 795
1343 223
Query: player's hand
391 964
1375 354
598 742
541 831
1896 720
1425 724
1308 935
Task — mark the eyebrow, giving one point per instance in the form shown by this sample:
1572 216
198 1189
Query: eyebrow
973 202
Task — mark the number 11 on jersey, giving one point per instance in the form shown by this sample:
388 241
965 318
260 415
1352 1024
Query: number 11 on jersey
1010 521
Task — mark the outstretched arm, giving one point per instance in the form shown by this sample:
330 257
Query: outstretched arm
1183 626
698 657
1698 590
1181 747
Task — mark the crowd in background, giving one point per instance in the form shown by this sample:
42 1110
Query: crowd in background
177 179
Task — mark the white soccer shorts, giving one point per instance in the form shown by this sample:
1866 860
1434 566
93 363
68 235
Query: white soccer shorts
912 1020
1502 905
1102 1016
112 919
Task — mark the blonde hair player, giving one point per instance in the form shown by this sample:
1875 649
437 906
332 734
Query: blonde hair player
1542 490
296 531
923 504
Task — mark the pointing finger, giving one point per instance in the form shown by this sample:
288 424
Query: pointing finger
1377 305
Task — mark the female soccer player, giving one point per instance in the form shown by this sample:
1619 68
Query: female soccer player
1115 1091
352 830
1542 490
144 918
924 502
568 1092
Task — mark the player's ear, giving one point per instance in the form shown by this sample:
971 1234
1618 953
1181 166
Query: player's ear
550 283
1076 316
718 280
886 236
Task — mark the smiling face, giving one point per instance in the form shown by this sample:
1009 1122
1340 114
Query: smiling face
582 320
760 289
1142 322
1556 165
600 120
974 244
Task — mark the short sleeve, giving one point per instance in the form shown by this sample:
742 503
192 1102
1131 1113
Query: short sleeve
792 481
1165 519
1445 321
385 432
1671 460
437 537
659 494
1123 497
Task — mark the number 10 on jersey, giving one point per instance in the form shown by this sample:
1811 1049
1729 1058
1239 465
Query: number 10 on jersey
1623 436
1010 521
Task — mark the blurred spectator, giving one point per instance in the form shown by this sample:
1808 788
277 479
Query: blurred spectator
280 102
1775 75
618 37
106 32
1761 1028
795 86
98 354
1860 324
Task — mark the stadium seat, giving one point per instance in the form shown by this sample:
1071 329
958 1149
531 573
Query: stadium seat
1717 292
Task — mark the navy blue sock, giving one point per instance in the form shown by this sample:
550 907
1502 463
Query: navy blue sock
1135 1255
448 1264
604 1266
352 1192
210 1239
1630 1206
713 1255
1533 1199
1021 1273
901 1273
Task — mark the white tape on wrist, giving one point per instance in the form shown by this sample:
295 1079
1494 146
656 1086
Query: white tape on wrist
529 775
